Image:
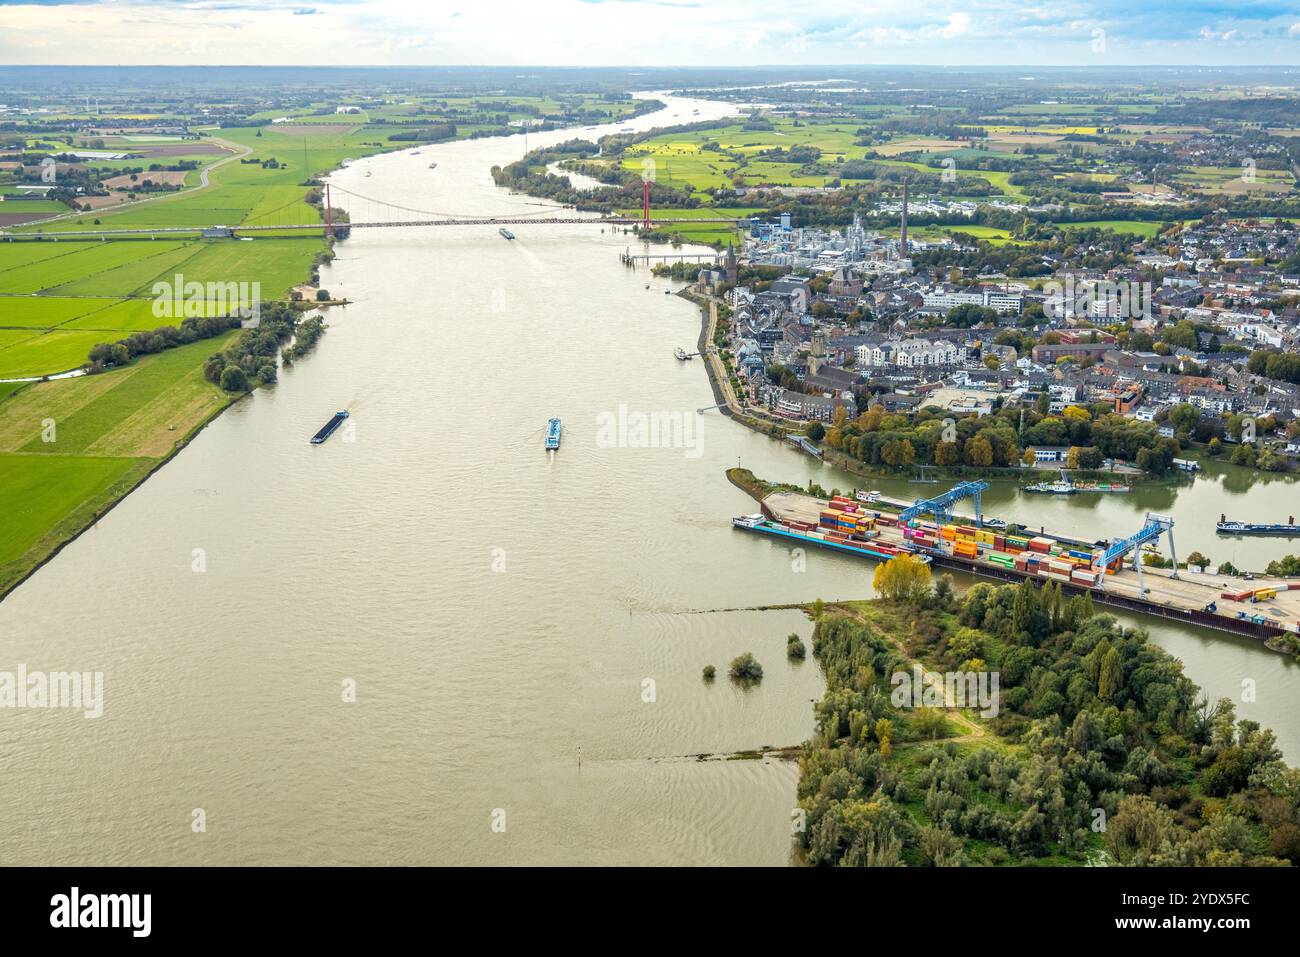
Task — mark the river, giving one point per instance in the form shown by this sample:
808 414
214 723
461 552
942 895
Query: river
525 632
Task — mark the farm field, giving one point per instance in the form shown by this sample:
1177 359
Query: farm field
1227 180
686 160
1136 227
709 234
86 262
41 312
48 498
111 430
38 352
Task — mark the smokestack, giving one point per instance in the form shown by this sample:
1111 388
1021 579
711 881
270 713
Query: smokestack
902 239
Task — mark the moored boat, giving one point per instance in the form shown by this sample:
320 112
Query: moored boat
553 434
1287 528
1050 488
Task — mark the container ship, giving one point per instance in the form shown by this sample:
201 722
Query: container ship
328 428
853 542
553 434
1225 527
506 233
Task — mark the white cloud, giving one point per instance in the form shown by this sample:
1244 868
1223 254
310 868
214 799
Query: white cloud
596 33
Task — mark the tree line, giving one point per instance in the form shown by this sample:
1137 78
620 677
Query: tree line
1101 750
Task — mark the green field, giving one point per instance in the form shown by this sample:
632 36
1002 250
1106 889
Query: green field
708 234
1135 227
110 430
38 352
48 497
41 311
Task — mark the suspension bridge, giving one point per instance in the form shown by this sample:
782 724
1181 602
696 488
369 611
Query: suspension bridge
365 212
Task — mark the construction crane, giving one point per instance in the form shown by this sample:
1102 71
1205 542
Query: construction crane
1155 526
941 505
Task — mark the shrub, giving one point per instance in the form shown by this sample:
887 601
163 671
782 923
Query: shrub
233 379
746 668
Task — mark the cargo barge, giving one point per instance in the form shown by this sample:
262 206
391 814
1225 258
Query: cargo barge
846 525
553 434
809 536
1225 527
328 428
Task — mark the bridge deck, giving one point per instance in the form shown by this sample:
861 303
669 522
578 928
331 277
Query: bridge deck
387 224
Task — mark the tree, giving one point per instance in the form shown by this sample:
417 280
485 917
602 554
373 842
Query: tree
794 648
1024 608
946 453
1029 458
898 452
1183 417
1108 679
816 431
746 669
940 847
233 379
1197 560
884 732
902 578
979 452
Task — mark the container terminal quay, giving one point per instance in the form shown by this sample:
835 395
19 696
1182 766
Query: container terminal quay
1114 572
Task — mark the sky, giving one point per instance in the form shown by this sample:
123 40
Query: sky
650 32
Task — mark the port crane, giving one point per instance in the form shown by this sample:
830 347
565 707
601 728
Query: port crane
1155 526
941 505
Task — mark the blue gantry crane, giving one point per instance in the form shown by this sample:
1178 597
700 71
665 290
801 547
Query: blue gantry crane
941 505
1155 526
